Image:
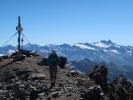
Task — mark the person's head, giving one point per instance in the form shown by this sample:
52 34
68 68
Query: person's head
53 51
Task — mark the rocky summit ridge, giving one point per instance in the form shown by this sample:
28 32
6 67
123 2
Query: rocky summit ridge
27 80
22 77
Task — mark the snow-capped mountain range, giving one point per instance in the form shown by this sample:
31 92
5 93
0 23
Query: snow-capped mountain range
103 51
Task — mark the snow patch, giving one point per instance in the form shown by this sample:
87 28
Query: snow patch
129 52
100 44
1 55
11 52
84 46
117 46
115 51
105 50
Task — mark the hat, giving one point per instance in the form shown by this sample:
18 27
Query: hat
53 51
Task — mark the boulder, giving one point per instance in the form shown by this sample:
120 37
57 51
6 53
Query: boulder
63 61
93 93
99 75
74 73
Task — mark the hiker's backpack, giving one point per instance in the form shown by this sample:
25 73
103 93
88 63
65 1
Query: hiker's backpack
63 61
54 60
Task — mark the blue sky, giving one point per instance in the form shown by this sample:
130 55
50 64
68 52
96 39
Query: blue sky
68 21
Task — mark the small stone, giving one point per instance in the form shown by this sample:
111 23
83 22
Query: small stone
55 94
61 85
68 95
49 98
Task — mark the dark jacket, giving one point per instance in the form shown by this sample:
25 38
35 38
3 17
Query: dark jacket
53 59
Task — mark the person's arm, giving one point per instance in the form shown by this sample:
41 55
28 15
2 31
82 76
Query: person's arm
58 60
48 60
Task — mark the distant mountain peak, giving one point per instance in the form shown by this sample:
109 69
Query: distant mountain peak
30 44
9 46
104 43
107 42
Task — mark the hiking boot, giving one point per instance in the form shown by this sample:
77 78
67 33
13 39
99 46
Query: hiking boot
53 84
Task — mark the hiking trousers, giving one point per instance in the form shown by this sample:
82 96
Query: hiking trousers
53 72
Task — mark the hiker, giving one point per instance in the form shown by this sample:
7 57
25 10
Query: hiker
53 61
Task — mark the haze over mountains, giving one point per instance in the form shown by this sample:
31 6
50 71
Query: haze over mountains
83 56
